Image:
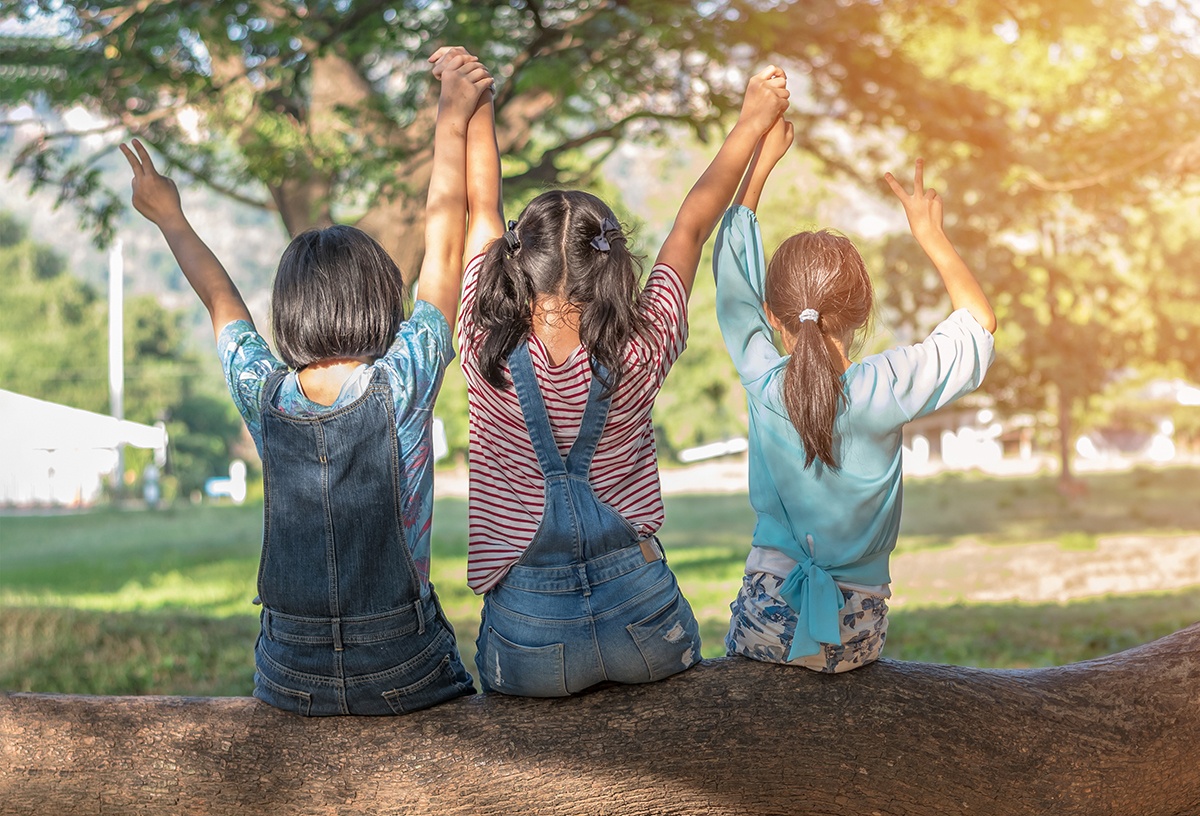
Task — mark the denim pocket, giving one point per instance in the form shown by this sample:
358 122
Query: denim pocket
669 639
443 683
530 671
282 697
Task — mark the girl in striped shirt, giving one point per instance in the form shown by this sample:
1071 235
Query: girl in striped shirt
564 353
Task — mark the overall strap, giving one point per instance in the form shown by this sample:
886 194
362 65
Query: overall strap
271 387
537 420
591 427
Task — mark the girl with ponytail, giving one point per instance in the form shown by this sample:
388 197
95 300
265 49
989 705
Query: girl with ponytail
825 432
564 351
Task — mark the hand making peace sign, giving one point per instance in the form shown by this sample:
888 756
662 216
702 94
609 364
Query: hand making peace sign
154 195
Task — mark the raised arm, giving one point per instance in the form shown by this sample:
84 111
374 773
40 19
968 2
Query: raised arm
156 197
485 206
739 264
464 80
766 99
771 148
924 210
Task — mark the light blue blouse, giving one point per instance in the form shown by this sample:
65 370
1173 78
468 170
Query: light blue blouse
851 515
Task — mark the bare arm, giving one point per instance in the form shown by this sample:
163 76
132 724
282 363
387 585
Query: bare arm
156 197
770 150
485 205
924 210
464 79
766 99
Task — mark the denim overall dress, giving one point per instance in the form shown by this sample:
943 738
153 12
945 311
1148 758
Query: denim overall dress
344 627
588 600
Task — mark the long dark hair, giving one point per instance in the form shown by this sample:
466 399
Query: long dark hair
337 293
821 271
554 251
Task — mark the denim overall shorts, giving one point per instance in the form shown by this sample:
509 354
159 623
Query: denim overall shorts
344 627
588 601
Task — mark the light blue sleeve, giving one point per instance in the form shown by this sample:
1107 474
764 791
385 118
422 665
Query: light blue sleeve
417 359
948 364
739 266
246 361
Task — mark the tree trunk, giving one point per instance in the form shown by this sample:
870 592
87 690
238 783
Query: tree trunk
1067 484
1117 735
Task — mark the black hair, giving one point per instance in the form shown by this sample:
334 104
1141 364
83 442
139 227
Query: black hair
555 248
820 271
337 293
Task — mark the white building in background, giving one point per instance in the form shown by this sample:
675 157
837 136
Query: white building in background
52 454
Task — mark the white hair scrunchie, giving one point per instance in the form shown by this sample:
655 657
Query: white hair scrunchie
809 315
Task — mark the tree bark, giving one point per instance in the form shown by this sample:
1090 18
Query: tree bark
1116 735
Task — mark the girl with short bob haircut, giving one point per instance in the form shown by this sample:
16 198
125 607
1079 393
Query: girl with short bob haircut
350 623
825 432
564 352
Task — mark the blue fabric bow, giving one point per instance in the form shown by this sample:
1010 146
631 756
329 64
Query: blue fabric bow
813 594
600 242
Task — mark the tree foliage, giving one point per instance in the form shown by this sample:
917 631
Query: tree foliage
1058 129
53 346
1067 227
322 110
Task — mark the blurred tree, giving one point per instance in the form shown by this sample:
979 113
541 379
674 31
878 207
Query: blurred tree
53 346
322 110
1066 226
1048 123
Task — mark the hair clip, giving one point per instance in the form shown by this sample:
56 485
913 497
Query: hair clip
600 242
511 239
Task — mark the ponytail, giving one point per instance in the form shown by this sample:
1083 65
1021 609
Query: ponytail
818 288
813 392
503 311
569 244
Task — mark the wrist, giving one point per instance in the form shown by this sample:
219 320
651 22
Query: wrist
172 222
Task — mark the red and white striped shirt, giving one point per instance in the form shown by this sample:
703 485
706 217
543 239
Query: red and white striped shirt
506 485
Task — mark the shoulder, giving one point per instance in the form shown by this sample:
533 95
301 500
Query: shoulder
664 287
959 335
241 347
424 339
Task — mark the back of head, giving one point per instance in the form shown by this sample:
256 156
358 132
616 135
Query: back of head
568 244
818 288
337 293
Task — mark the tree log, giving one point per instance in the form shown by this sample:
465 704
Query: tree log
1116 735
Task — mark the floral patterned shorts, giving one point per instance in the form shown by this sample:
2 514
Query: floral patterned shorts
763 624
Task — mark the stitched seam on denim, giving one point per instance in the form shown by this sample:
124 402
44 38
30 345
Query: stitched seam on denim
327 508
349 620
284 690
623 607
424 682
374 386
532 583
316 679
439 643
534 619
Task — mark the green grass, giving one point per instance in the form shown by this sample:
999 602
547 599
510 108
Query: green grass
136 602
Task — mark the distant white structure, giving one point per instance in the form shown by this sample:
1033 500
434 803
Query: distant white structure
54 455
960 439
234 487
714 449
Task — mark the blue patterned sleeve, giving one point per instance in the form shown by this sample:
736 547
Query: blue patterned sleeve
418 358
246 361
948 364
739 265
